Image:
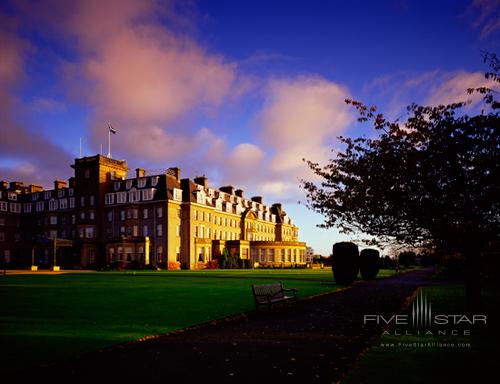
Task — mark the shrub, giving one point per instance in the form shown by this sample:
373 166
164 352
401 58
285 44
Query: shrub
174 265
213 264
369 263
345 262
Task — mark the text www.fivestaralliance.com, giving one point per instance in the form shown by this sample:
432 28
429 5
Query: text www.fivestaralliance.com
425 345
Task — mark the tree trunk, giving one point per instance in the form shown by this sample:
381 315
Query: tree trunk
473 277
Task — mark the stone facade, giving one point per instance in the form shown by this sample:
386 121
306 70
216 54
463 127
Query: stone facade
101 218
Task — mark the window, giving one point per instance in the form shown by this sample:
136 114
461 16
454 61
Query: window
73 219
15 207
92 215
110 216
72 202
34 197
47 194
70 192
208 233
200 197
177 194
122 215
154 180
2 236
147 194
134 195
195 231
121 197
145 213
195 214
122 230
178 254
63 203
178 230
3 206
82 215
60 193
109 198
135 230
202 231
141 183
52 205
208 216
282 255
159 253
82 201
89 232
128 184
159 230
117 185
159 212
53 219
145 230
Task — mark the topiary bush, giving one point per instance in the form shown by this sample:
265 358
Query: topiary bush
345 267
369 263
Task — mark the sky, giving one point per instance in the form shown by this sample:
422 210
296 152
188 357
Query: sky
240 91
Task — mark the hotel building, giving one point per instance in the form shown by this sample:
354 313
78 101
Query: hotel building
101 217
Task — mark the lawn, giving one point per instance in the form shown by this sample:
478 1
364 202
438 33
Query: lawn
465 359
45 318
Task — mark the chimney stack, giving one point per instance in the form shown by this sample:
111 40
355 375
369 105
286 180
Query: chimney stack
239 193
59 184
140 172
201 180
174 172
257 199
227 189
35 188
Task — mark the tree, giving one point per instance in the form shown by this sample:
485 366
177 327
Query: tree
433 180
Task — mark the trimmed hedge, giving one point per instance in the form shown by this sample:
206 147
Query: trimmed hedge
369 263
345 265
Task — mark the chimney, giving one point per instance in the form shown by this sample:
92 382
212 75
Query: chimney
277 206
239 193
201 180
35 188
174 172
4 185
59 184
257 199
140 172
227 189
16 185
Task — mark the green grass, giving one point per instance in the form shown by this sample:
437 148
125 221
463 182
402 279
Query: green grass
471 360
45 318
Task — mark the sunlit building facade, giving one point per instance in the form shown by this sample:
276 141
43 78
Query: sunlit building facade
102 218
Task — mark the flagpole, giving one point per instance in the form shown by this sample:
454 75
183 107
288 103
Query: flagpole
109 142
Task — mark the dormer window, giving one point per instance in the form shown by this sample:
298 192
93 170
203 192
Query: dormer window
218 204
154 180
52 205
34 197
70 192
147 194
177 194
60 193
141 183
12 196
128 184
134 195
47 194
109 198
117 186
200 197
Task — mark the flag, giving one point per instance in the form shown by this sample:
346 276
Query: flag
111 129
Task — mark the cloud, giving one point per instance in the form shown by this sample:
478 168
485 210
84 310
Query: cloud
41 159
302 118
486 16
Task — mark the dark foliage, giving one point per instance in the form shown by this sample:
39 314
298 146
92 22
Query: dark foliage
369 263
431 181
345 265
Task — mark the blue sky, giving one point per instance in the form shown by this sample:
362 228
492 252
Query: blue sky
238 90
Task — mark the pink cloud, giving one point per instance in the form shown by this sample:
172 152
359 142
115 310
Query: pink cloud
486 16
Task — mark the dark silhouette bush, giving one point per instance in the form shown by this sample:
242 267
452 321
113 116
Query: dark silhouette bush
345 265
369 263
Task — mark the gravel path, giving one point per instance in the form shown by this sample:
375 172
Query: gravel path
312 341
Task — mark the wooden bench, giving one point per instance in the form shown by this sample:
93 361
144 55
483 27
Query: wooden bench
270 294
